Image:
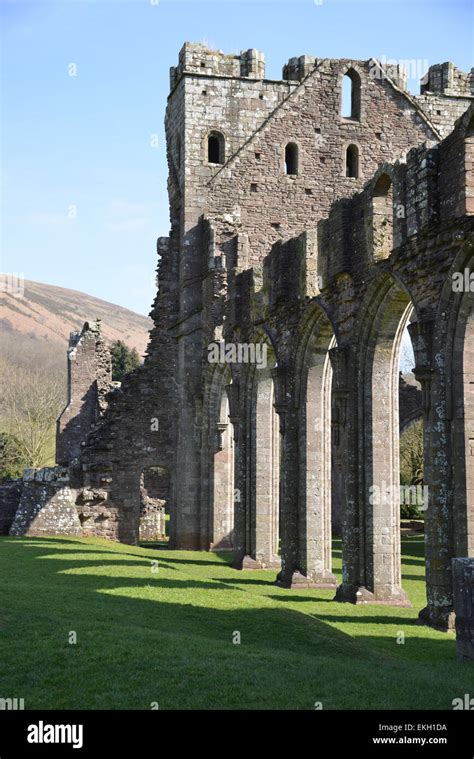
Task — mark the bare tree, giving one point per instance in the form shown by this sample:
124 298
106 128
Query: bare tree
31 400
411 454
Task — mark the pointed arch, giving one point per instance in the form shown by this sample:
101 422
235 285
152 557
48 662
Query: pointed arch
217 508
313 390
263 460
385 313
350 95
454 337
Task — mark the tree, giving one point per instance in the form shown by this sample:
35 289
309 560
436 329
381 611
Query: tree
124 360
411 462
31 401
10 468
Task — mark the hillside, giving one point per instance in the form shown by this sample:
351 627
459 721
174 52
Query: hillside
37 325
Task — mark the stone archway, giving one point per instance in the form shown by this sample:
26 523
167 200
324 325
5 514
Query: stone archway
379 482
222 508
264 467
463 428
317 443
217 461
262 518
155 486
447 381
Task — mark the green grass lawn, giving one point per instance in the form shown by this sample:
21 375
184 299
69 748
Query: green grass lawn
166 636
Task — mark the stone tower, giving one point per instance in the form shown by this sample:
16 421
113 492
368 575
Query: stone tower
307 232
233 195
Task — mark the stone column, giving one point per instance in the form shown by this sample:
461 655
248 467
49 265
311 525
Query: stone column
439 545
239 495
190 530
345 447
262 515
379 475
463 582
315 495
288 477
222 453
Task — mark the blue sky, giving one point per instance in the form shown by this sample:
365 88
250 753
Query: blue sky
83 187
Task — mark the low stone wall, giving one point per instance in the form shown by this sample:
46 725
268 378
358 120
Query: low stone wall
463 580
10 493
152 523
98 516
47 504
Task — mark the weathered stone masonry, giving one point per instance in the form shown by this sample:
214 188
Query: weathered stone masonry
319 236
89 381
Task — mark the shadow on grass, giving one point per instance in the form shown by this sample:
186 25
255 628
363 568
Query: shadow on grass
187 642
245 580
88 593
302 599
103 549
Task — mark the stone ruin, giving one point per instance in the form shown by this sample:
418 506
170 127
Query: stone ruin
46 505
54 500
317 235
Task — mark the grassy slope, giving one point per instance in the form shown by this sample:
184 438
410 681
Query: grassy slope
167 636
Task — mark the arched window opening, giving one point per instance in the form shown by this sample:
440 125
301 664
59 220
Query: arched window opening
216 148
385 498
352 161
351 95
223 478
382 218
154 503
291 159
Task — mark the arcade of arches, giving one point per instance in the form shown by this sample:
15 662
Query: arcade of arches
269 459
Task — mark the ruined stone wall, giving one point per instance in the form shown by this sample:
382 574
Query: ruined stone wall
10 493
444 110
155 494
253 194
321 266
226 217
347 281
46 505
447 79
445 94
249 204
409 401
89 381
155 486
138 429
210 92
152 523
